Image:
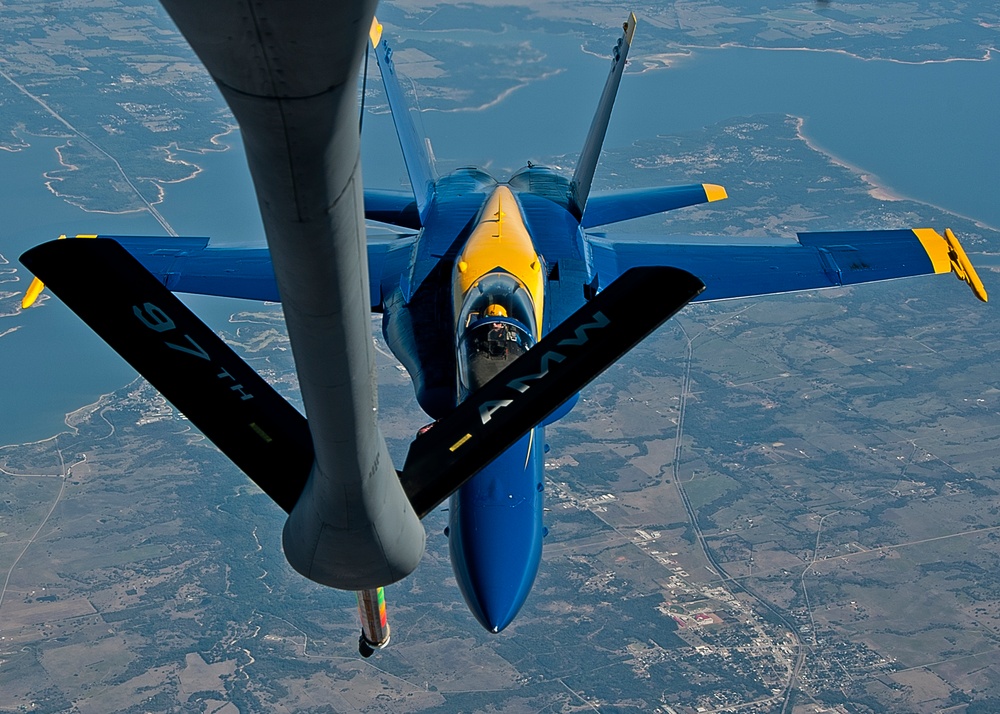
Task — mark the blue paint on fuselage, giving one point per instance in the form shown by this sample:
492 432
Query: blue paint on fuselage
495 534
418 303
417 310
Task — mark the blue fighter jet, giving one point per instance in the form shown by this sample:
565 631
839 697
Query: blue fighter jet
496 298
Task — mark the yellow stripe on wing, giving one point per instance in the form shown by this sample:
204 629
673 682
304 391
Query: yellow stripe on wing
936 247
34 290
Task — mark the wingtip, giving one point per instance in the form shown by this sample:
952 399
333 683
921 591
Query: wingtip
375 33
37 286
714 192
32 293
962 266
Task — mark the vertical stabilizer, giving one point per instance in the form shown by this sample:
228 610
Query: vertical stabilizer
584 175
418 163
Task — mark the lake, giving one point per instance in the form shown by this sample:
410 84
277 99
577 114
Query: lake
925 131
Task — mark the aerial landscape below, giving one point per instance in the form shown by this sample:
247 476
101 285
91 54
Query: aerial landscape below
779 504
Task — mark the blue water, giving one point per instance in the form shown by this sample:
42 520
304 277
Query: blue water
220 202
925 131
54 363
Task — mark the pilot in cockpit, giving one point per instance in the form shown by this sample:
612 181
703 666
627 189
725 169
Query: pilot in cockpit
493 336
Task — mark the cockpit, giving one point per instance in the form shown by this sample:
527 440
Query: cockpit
496 326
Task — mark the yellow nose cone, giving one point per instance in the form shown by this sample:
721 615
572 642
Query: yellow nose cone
501 240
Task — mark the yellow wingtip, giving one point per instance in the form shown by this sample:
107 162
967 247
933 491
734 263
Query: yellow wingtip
32 293
714 192
962 266
936 247
375 33
629 27
37 286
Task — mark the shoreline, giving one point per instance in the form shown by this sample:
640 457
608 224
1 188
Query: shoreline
73 415
877 190
522 83
684 50
171 151
986 57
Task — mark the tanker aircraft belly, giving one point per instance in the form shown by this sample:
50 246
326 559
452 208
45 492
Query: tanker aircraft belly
498 301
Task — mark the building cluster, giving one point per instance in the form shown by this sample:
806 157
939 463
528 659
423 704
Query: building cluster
732 657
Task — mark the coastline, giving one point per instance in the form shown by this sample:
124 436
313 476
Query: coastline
171 156
876 189
986 57
74 417
496 100
663 60
92 407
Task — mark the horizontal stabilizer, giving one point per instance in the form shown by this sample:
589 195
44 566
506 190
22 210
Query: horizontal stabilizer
188 363
396 208
611 207
536 383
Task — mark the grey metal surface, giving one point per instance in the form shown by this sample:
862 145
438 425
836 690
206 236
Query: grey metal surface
288 69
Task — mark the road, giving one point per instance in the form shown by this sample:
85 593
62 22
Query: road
58 117
730 583
62 489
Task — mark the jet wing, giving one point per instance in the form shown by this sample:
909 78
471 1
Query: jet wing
816 260
190 265
186 361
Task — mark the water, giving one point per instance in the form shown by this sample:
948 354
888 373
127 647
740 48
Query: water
921 131
925 131
220 202
53 363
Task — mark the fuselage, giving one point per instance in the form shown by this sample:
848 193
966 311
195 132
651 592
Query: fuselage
480 292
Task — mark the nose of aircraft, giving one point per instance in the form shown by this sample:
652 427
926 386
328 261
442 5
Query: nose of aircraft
495 535
495 555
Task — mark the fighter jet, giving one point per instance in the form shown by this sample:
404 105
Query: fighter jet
496 297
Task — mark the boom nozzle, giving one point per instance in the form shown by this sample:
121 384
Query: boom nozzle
374 623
